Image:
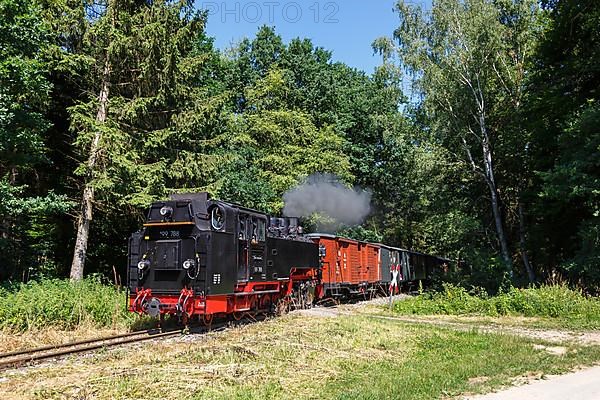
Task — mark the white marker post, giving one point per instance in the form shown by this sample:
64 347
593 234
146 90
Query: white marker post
394 283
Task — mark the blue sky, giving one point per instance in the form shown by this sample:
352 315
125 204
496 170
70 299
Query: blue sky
345 27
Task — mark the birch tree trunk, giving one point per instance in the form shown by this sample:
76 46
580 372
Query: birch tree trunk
87 199
491 181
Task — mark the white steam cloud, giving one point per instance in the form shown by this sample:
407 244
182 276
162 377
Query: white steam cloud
325 195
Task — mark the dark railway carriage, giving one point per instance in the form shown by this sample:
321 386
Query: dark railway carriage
389 261
422 267
202 257
410 266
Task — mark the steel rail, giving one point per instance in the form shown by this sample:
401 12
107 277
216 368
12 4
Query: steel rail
18 358
77 343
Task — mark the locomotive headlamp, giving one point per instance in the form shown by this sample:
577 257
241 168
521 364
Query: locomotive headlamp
166 211
188 264
142 265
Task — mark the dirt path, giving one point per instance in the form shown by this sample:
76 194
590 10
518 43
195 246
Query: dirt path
581 385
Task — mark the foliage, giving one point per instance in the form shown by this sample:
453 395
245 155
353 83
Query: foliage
467 60
287 144
144 144
33 252
27 208
297 97
491 78
546 301
23 85
63 304
360 233
574 182
502 86
564 141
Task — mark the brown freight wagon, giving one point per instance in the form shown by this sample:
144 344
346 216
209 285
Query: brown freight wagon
349 267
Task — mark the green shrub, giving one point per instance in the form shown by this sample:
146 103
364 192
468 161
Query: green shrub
62 304
547 301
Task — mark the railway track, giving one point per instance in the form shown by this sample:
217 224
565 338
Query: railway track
15 359
19 358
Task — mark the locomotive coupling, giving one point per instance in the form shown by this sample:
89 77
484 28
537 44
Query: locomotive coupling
153 307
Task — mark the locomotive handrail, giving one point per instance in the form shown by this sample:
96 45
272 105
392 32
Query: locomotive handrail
170 223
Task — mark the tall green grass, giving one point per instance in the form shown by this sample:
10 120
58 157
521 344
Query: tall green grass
557 302
62 304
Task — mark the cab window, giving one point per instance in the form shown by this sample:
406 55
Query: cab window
254 230
262 228
242 228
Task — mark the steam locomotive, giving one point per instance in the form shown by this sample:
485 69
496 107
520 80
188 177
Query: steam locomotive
198 258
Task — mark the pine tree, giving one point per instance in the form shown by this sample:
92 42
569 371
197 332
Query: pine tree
143 56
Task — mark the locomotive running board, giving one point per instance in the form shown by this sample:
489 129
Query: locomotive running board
251 293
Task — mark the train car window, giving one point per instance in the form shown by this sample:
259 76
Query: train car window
242 228
248 228
262 228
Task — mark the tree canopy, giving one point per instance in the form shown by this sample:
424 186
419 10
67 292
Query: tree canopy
478 135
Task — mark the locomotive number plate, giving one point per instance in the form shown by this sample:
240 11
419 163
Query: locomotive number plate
161 233
169 234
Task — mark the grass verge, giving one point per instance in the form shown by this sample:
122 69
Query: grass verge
62 304
551 306
300 357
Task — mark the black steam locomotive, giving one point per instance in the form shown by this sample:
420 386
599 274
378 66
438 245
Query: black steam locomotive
202 257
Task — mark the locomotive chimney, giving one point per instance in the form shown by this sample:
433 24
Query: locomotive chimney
293 222
293 226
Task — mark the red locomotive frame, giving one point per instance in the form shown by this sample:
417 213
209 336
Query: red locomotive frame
248 298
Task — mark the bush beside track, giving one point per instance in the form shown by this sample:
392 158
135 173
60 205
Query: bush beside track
62 304
551 302
66 305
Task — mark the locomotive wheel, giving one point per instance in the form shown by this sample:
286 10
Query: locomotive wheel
237 315
265 304
207 319
254 304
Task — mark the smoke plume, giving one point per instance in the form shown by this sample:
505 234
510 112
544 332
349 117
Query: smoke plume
335 204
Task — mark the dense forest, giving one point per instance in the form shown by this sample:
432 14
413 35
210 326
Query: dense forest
478 136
